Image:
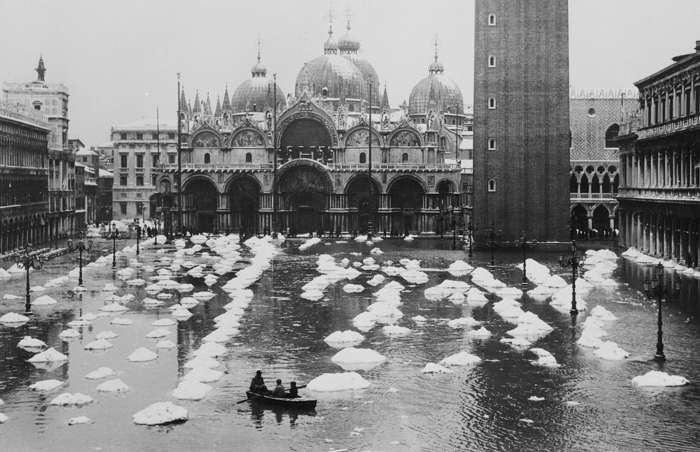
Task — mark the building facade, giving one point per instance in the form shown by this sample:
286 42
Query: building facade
139 149
521 119
660 156
51 101
24 207
331 157
594 175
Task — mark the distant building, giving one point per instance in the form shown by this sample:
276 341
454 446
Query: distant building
594 176
24 207
105 152
521 119
51 101
87 162
105 180
660 155
136 157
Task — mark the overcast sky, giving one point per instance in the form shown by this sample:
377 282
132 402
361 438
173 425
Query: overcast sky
119 58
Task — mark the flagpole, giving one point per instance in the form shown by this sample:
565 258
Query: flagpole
179 158
275 223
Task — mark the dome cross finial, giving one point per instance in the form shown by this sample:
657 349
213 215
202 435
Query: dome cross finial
258 48
40 69
436 48
348 16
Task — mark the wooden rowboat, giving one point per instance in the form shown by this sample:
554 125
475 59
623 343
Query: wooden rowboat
298 403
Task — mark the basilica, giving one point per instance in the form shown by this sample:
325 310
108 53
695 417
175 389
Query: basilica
331 157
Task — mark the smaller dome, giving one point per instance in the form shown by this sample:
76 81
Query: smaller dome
331 44
436 67
348 43
258 69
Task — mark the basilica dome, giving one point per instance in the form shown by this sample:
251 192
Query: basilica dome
256 93
338 74
436 93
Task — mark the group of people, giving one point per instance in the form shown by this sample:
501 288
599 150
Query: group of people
257 385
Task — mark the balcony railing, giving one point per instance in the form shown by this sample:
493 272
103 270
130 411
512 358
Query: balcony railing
670 127
689 194
214 167
592 196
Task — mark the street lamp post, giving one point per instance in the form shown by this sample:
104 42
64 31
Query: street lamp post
492 245
113 235
574 261
29 260
655 288
155 226
81 246
138 237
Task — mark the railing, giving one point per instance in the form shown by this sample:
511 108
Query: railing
669 127
592 196
215 166
690 194
395 166
340 166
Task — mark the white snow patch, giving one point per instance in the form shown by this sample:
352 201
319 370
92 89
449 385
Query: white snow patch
352 358
432 368
67 398
460 359
100 373
45 385
160 413
115 385
191 390
48 356
343 339
657 378
142 354
342 381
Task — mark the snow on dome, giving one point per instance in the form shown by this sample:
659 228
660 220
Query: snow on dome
343 339
463 322
353 288
342 381
44 300
657 378
395 331
459 268
99 344
160 413
100 373
460 359
69 334
191 390
67 398
115 385
30 342
121 321
611 351
142 354
203 375
12 317
45 385
432 368
48 356
544 358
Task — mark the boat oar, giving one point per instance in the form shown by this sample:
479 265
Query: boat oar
255 395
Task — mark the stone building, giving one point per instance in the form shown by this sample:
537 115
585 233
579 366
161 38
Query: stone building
521 119
86 166
139 148
51 101
594 175
24 207
332 156
660 155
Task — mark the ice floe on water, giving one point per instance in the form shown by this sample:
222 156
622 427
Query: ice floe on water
341 381
432 368
191 390
463 322
657 378
481 333
446 289
49 355
100 373
353 288
160 413
203 375
99 344
157 333
69 334
395 331
45 385
459 268
462 358
79 420
121 321
67 399
165 344
352 358
611 351
419 319
44 300
12 317
30 343
115 385
106 335
309 243
343 339
142 354
544 358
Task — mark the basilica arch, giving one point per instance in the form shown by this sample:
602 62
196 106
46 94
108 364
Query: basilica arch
406 194
243 192
363 194
303 187
200 202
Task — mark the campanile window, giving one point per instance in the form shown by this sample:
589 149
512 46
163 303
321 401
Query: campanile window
492 185
492 61
492 20
492 103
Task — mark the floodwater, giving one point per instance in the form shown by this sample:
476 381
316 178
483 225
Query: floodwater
589 403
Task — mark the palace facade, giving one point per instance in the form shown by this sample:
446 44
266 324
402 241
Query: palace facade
660 156
333 156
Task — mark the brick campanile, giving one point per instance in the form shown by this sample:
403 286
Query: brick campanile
521 119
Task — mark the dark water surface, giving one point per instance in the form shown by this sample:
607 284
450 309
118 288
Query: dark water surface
589 403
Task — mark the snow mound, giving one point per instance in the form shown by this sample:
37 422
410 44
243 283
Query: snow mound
342 381
45 385
203 296
376 280
463 322
115 385
44 300
481 333
165 343
203 375
364 321
191 390
113 307
353 288
432 368
657 378
48 356
142 354
342 339
157 333
460 359
312 295
30 342
396 331
12 317
376 251
67 398
459 268
121 321
79 420
611 351
544 358
106 335
210 349
100 373
475 297
99 344
309 243
160 413
352 358
602 314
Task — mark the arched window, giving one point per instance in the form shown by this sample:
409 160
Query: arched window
492 185
492 61
363 157
207 158
492 19
248 157
404 158
492 103
610 135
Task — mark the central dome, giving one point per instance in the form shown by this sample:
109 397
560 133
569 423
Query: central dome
436 93
338 74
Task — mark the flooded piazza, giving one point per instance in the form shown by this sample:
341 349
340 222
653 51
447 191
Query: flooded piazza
503 400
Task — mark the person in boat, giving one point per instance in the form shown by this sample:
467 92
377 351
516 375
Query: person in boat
257 384
279 390
293 390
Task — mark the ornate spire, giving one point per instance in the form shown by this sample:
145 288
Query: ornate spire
196 108
207 106
347 43
183 101
40 69
258 70
217 112
436 66
226 106
385 100
330 47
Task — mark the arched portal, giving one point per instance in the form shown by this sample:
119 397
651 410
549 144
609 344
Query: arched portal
201 200
406 196
244 196
306 138
363 194
601 221
303 189
579 222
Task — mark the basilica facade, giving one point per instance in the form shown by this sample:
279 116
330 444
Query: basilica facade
333 156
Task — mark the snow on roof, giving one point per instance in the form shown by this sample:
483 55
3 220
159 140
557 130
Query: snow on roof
145 124
87 152
467 143
105 173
